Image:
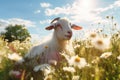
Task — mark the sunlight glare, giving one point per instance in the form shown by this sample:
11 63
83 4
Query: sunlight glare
88 4
83 10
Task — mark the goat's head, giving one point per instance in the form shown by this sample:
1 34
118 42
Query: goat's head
62 28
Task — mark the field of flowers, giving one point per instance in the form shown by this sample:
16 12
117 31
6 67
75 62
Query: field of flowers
97 57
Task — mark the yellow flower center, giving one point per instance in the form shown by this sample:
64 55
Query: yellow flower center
77 59
93 35
107 55
46 47
48 79
99 42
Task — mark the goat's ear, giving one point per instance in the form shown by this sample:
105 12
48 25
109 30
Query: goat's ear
76 27
49 27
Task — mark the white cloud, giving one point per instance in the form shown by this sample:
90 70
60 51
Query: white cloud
114 5
99 10
27 23
45 5
45 21
37 11
117 3
3 23
35 36
13 21
57 10
82 10
2 29
79 11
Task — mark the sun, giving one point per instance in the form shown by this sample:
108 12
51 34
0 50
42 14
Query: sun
82 10
87 4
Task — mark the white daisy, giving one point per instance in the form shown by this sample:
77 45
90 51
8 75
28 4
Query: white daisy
0 59
66 56
96 60
48 77
101 43
52 62
106 55
77 46
91 34
12 72
76 61
14 57
41 67
118 57
45 68
16 74
69 69
76 77
31 78
47 72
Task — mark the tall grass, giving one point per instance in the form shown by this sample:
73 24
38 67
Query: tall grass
97 58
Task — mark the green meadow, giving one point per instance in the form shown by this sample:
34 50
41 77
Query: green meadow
97 57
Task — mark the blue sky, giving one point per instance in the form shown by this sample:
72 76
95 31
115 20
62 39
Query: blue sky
37 14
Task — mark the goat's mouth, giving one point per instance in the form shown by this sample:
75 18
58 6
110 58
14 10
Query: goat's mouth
68 36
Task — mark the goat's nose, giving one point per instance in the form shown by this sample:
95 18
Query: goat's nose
69 32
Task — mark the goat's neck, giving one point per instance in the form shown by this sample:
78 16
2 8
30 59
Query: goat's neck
59 44
62 43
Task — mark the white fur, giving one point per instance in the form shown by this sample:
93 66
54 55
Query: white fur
51 49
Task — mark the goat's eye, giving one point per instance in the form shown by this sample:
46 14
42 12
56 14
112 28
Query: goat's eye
59 25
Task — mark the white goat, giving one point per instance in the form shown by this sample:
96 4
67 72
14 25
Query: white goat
49 51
